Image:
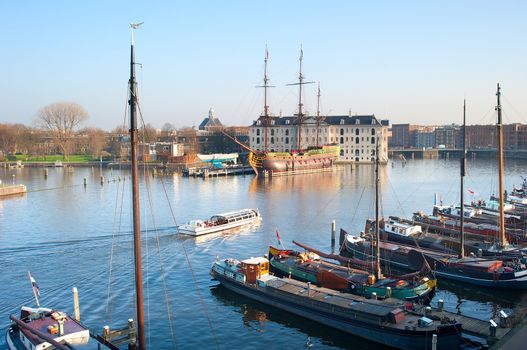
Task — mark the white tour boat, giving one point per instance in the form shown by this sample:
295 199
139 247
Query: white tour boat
220 222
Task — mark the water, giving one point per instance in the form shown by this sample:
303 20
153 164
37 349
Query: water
68 235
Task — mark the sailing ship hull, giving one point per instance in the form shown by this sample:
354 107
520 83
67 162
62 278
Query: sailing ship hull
410 258
448 336
329 277
285 163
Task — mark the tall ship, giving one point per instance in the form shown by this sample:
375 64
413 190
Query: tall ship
297 159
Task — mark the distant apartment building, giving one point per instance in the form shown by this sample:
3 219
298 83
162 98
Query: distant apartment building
403 135
447 136
425 137
486 136
356 135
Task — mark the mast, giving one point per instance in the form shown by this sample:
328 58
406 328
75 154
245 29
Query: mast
318 110
378 272
266 106
503 239
141 341
300 114
462 170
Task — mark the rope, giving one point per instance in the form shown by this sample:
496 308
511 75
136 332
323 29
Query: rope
204 306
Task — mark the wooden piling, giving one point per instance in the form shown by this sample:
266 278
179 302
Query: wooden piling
76 308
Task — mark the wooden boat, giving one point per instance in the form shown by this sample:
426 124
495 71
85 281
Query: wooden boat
495 273
381 321
42 328
299 161
220 222
308 267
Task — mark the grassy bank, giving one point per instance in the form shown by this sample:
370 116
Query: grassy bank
76 158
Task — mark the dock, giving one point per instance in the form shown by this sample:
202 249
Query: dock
12 190
208 172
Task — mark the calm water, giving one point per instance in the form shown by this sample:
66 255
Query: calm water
68 235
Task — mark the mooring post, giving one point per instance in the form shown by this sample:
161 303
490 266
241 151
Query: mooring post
45 173
131 335
102 180
85 182
76 308
106 333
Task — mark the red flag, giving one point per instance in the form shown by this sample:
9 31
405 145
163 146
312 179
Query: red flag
278 236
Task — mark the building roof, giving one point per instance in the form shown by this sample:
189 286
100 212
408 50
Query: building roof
329 120
210 121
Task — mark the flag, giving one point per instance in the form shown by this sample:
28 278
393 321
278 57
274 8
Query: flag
471 192
34 285
278 236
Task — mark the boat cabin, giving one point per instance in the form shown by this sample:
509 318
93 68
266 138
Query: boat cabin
402 229
254 268
231 217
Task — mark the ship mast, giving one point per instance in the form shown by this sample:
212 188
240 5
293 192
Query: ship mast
463 173
378 272
300 115
503 239
141 341
266 106
318 111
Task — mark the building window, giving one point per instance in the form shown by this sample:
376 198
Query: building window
257 140
341 140
346 139
373 139
287 122
372 131
357 121
342 122
258 122
272 132
258 132
357 131
272 122
287 140
272 139
286 132
342 131
341 152
373 121
357 152
357 140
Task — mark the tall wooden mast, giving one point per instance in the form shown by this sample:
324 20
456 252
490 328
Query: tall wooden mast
378 272
141 341
463 173
503 239
300 115
318 111
266 106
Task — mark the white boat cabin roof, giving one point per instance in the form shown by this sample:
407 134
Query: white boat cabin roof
255 261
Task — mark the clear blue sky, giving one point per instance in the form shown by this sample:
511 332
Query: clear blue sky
407 61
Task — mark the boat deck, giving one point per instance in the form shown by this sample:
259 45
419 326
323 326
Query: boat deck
470 326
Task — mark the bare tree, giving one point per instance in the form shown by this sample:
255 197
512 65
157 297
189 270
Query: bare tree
98 140
62 119
14 138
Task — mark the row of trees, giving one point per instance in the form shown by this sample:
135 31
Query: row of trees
57 124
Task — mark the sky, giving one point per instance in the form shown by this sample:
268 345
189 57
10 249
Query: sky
405 61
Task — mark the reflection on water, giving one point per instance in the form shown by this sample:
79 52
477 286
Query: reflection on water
70 235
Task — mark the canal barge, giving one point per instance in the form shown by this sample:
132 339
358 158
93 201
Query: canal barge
382 321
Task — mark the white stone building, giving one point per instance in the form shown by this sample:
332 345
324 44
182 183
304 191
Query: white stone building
356 135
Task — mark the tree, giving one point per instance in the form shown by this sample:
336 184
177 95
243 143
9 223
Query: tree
14 138
62 119
98 140
148 134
